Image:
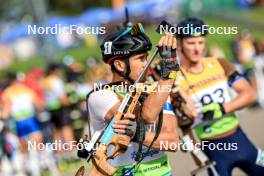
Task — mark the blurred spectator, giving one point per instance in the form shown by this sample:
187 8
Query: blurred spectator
19 103
33 80
6 56
56 101
75 90
261 2
216 51
74 70
100 73
2 88
244 49
259 72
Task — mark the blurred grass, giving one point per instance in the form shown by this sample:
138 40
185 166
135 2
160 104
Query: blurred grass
82 52
224 41
68 168
255 14
23 66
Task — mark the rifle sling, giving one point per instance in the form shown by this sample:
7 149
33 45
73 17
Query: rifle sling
87 108
141 138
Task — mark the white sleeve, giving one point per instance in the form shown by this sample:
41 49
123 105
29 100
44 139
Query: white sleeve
100 102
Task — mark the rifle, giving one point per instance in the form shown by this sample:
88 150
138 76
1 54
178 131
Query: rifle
127 23
185 112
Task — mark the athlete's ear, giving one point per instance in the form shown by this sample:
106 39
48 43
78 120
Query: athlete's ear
119 65
179 43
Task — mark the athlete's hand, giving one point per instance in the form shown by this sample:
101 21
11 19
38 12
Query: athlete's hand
167 50
167 46
213 111
128 126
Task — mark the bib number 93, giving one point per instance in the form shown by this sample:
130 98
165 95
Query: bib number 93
215 96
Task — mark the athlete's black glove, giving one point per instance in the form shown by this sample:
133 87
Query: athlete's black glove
169 64
213 111
131 128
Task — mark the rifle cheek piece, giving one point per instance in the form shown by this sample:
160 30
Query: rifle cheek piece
183 108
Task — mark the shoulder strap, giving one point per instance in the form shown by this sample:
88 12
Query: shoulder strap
227 66
140 156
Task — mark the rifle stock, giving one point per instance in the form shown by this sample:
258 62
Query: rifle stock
118 141
198 161
100 166
183 107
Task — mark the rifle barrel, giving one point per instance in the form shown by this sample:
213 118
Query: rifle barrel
150 60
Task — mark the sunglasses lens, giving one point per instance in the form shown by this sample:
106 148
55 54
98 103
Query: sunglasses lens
136 29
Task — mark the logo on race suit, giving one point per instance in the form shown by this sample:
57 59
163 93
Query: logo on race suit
127 172
152 168
151 153
147 168
211 64
207 129
107 47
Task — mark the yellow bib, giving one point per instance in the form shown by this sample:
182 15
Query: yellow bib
209 86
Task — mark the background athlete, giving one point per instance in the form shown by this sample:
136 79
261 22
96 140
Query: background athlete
209 81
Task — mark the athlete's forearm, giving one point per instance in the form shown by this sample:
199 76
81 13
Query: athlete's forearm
238 103
166 141
243 99
156 100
